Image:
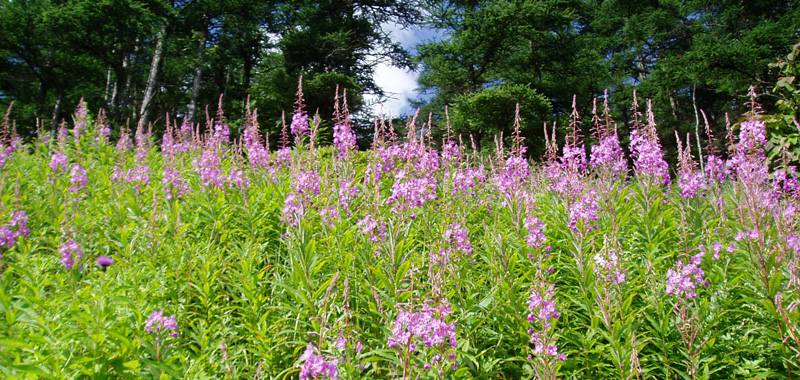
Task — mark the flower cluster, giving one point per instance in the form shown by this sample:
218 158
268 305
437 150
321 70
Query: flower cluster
77 178
692 184
257 153
454 240
299 126
306 185
512 176
316 366
174 186
451 153
584 211
608 267
429 328
748 162
608 153
411 192
535 237
715 169
343 138
138 176
684 278
158 323
58 162
80 120
542 307
17 226
368 225
465 181
423 326
649 158
71 254
718 249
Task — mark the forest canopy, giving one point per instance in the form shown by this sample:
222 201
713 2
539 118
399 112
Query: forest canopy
141 60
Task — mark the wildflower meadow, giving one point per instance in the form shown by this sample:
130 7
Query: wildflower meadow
201 256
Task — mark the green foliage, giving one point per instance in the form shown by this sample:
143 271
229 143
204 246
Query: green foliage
688 56
785 125
489 112
251 289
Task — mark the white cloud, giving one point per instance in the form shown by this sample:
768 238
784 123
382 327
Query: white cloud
399 84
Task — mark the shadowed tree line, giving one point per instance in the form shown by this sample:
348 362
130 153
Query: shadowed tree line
141 60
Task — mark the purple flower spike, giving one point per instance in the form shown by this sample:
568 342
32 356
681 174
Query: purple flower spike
71 254
158 322
104 262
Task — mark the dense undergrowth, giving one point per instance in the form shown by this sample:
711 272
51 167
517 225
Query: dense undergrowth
207 258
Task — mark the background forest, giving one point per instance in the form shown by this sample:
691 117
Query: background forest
142 60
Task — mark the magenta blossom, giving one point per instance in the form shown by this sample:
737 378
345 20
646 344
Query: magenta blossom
104 262
158 323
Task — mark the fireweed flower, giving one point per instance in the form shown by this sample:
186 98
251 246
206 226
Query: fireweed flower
409 193
455 240
208 167
542 308
236 179
425 328
467 180
71 254
173 185
159 324
58 162
608 267
221 135
348 192
716 171
5 153
785 182
296 203
369 225
646 149
451 154
535 237
316 366
77 178
343 138
257 153
691 182
608 154
748 163
80 120
124 144
139 176
299 126
17 226
512 176
584 211
683 279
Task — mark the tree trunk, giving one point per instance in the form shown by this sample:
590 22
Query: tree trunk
108 85
198 72
41 97
673 102
129 65
56 112
151 79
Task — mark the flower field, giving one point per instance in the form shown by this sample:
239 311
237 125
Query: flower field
200 256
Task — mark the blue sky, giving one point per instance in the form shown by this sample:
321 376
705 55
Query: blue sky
399 84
